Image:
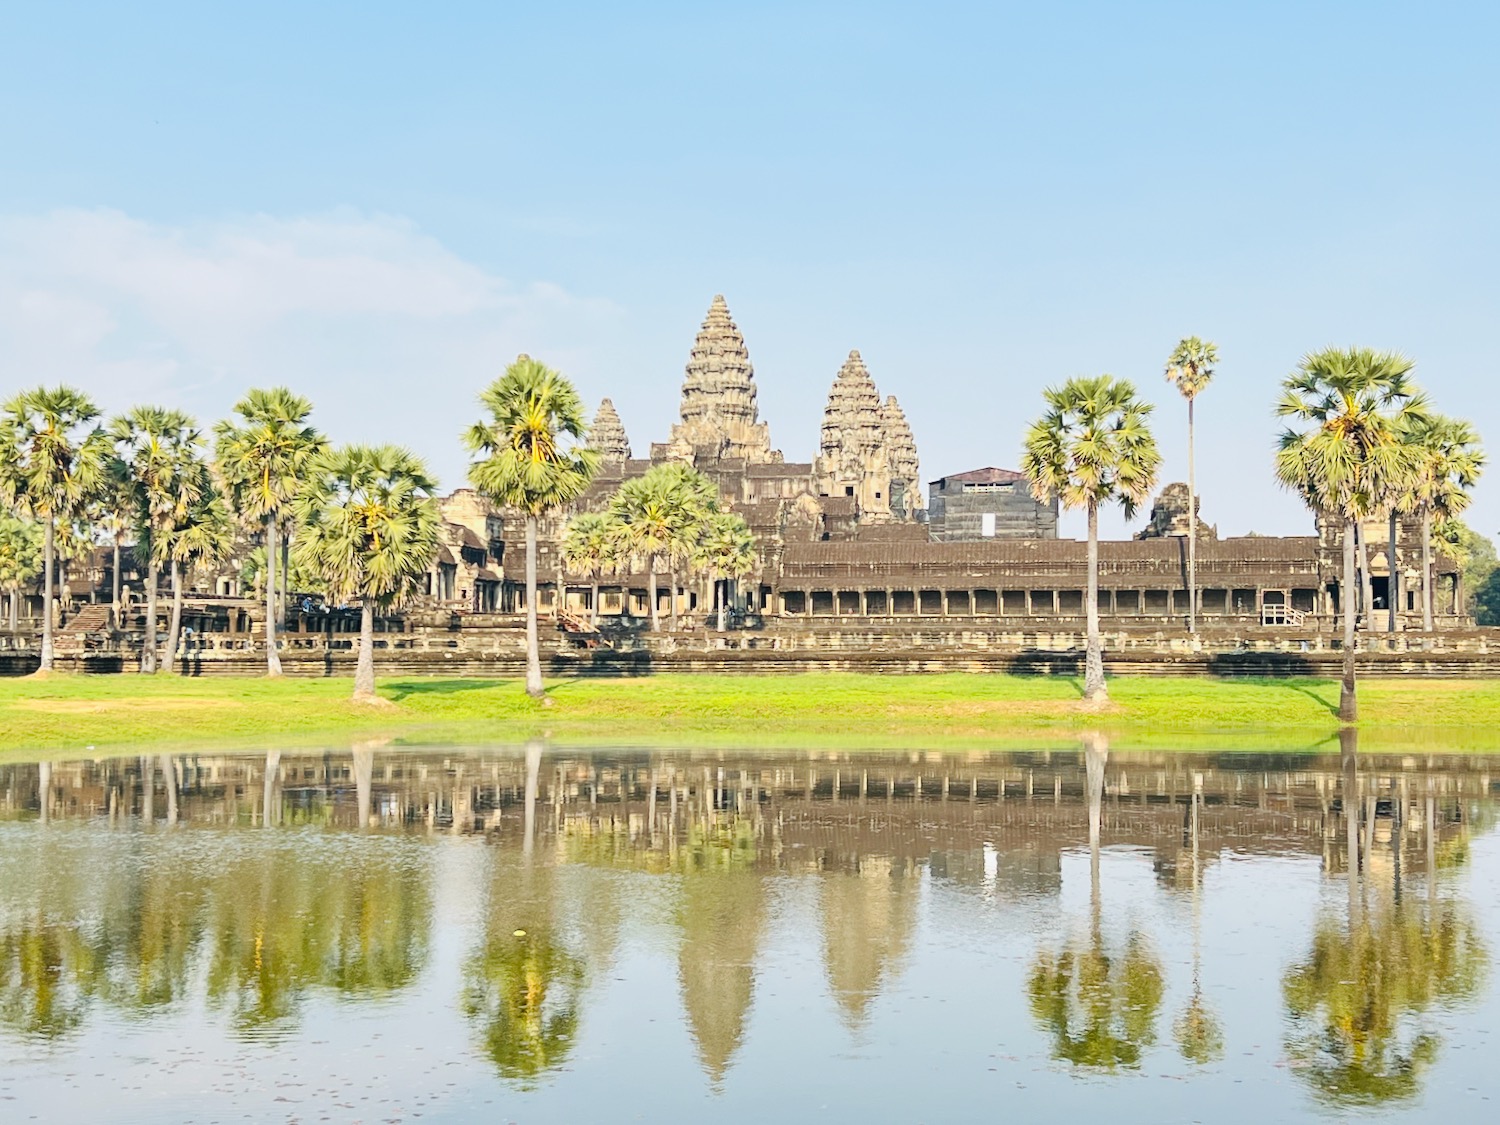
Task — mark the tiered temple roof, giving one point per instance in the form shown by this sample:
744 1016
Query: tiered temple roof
720 418
607 435
901 456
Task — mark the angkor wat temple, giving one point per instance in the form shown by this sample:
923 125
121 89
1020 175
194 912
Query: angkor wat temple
848 535
853 559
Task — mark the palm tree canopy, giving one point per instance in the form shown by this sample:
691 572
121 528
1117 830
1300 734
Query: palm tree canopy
1092 446
164 473
587 546
1343 450
52 456
727 546
662 513
1449 462
264 458
1190 367
532 456
367 522
20 551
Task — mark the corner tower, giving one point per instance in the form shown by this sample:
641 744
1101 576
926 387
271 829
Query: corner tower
852 459
607 435
901 456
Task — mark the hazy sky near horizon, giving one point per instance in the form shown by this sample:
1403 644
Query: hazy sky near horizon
381 204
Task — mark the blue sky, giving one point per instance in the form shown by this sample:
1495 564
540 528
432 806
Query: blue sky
381 204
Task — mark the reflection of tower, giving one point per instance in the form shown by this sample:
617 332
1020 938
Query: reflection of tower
868 918
721 918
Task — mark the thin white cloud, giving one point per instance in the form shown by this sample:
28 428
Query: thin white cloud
389 331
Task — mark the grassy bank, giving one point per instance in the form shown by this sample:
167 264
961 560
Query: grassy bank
75 713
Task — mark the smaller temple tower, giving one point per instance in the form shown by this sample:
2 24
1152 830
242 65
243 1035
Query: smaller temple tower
901 456
862 442
607 436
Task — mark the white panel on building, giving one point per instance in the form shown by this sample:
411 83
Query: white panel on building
987 525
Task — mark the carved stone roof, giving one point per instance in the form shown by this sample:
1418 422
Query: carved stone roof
607 435
901 453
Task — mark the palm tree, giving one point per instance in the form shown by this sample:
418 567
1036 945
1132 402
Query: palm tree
532 460
203 535
160 450
660 518
727 552
263 461
52 465
20 561
1092 447
1352 405
588 551
1449 463
1190 368
367 522
116 516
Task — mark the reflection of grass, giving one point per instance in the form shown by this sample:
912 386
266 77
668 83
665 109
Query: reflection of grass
835 710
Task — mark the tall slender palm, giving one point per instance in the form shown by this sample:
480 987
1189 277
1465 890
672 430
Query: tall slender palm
1190 368
695 502
727 552
1343 448
161 452
367 522
52 465
20 561
588 551
117 517
1092 447
1449 463
204 534
263 460
531 459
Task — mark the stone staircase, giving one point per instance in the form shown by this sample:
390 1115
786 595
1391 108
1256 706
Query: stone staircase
86 630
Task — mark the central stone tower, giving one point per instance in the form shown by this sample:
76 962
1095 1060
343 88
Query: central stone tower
720 420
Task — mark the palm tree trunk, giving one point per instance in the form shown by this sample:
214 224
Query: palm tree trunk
1393 581
364 667
273 658
115 585
533 652
49 563
1094 690
672 605
1348 706
594 604
1366 598
286 576
15 609
721 596
148 645
1427 598
1192 532
651 592
174 631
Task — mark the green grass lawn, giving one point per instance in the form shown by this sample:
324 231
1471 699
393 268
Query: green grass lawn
65 713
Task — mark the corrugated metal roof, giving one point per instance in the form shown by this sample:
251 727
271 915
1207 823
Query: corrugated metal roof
989 475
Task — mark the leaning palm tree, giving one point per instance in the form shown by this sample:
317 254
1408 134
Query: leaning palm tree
1091 448
532 459
727 552
160 450
52 465
1343 450
1448 464
588 551
1190 368
367 522
263 460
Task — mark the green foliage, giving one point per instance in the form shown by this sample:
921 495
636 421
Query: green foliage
20 552
1099 1008
1344 450
264 459
1448 464
531 451
53 458
587 546
165 479
367 522
662 515
1092 446
1190 367
1477 561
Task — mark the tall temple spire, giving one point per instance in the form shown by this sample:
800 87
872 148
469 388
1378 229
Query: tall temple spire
720 418
852 457
901 455
607 435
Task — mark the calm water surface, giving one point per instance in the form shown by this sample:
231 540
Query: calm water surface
540 934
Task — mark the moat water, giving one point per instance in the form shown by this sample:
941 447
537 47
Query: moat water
539 934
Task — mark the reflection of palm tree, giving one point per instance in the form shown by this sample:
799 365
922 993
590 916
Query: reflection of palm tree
1099 1007
1199 1037
41 966
523 989
1356 1002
